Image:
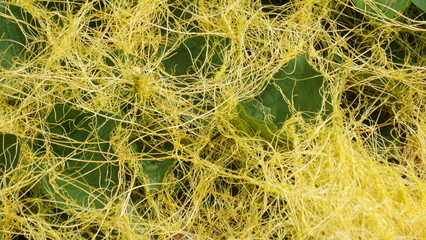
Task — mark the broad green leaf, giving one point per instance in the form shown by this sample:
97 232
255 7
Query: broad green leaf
81 141
389 8
298 83
256 109
420 4
14 29
254 116
156 169
10 150
296 87
199 53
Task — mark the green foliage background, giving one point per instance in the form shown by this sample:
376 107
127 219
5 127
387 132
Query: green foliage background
193 119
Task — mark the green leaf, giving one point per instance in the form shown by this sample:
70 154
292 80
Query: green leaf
254 116
256 109
194 54
298 83
375 8
10 150
420 4
199 55
80 140
14 29
156 169
296 87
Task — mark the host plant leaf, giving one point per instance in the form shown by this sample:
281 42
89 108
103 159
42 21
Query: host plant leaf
389 8
194 54
254 115
10 150
80 140
156 169
420 4
193 60
296 87
13 33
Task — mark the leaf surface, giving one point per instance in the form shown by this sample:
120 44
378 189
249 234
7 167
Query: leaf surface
296 87
155 170
199 53
13 31
80 140
389 8
420 4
